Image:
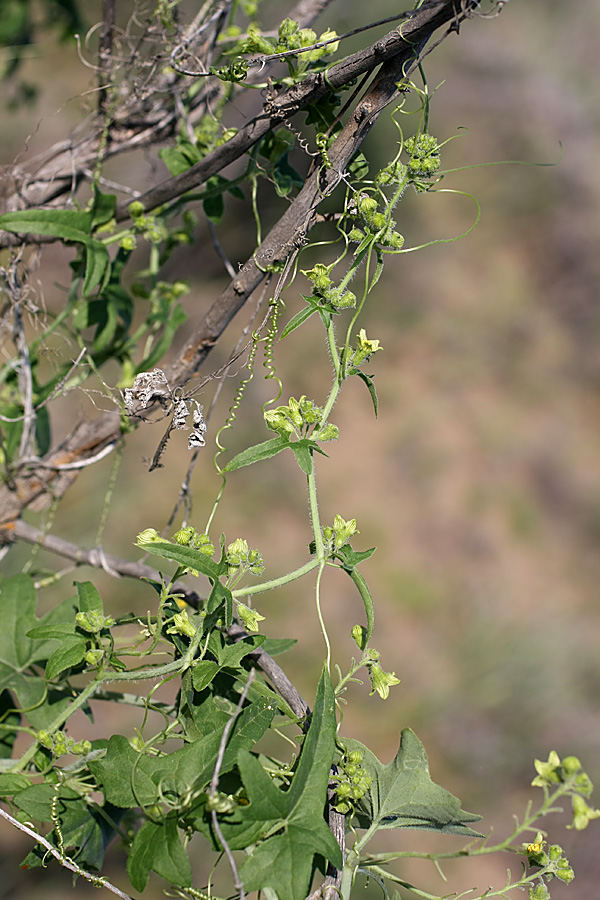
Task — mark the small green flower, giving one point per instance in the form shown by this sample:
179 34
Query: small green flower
364 347
93 657
382 681
582 814
548 772
276 421
182 625
250 617
343 530
148 536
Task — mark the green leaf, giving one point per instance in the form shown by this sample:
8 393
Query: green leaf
275 646
97 265
254 454
125 775
185 556
89 598
204 673
299 319
157 847
303 450
371 387
214 208
18 652
12 784
68 224
351 558
69 654
365 593
10 719
403 795
129 778
103 208
284 861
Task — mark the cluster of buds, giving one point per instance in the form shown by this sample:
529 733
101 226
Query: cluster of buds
338 534
375 224
424 153
568 773
552 862
352 781
60 743
300 418
241 559
324 289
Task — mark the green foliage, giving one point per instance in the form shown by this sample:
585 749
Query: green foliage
201 771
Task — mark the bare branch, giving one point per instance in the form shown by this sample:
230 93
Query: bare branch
96 880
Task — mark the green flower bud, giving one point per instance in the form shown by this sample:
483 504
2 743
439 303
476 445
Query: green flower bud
294 412
184 535
136 209
81 748
356 235
359 633
128 242
250 617
367 206
343 790
565 874
378 222
329 433
346 300
237 553
277 422
539 892
571 765
45 739
93 621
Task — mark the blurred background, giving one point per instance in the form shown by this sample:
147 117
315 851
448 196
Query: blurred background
479 483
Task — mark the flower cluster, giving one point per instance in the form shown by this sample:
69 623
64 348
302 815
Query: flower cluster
324 289
576 782
424 156
338 534
552 863
299 418
352 781
374 224
241 559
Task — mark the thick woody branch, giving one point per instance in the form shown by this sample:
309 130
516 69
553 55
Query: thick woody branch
89 438
137 121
